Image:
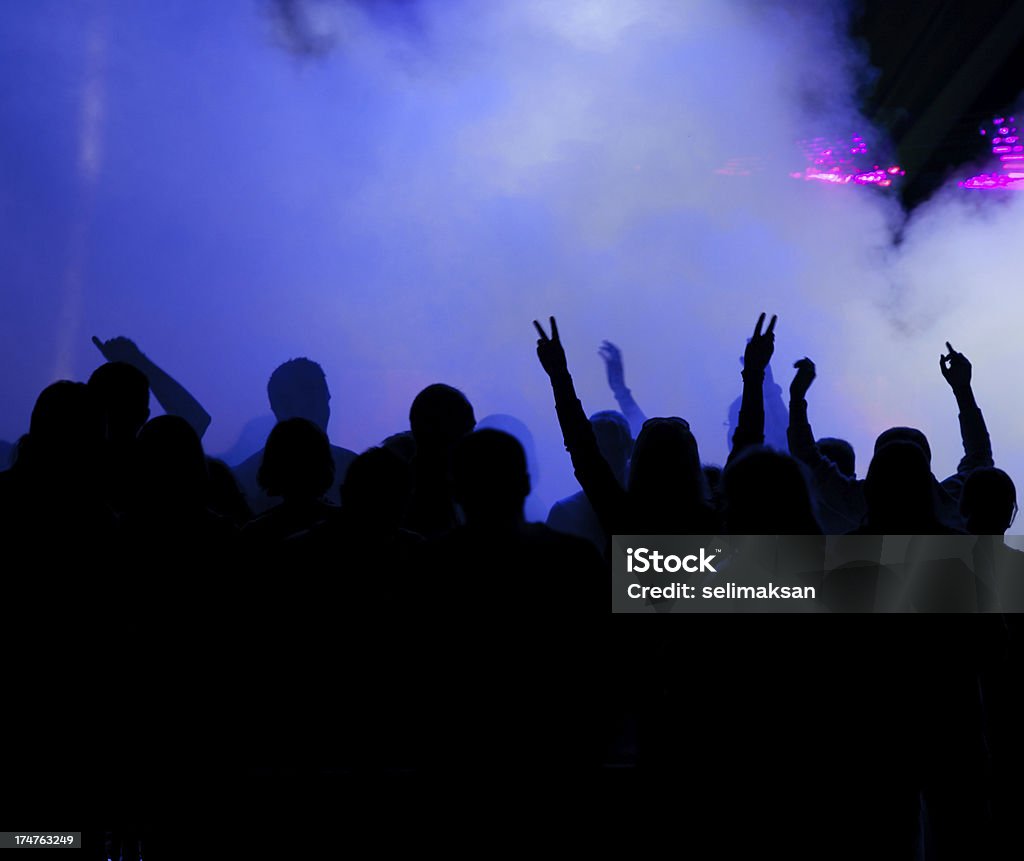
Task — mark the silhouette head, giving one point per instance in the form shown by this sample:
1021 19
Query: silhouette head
490 477
65 430
122 391
840 452
225 496
614 439
297 462
172 466
518 429
377 488
902 434
298 389
899 489
665 470
766 493
988 501
401 444
439 417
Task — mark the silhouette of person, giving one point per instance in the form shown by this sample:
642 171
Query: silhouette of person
439 417
989 507
362 593
764 492
899 493
55 486
615 371
574 515
296 389
988 501
226 497
518 701
58 536
170 394
299 469
843 495
170 513
535 505
666 491
122 392
776 416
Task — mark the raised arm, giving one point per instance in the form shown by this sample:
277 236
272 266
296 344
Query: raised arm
171 395
592 471
956 370
836 490
612 357
750 427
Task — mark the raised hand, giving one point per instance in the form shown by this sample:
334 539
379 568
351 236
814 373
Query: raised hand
955 368
119 350
172 395
802 381
760 346
549 350
612 356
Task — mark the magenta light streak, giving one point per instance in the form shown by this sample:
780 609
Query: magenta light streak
836 162
1006 147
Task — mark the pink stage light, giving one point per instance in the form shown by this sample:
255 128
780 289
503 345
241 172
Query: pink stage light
1005 146
836 162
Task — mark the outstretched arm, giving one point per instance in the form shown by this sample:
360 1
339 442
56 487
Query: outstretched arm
836 490
612 356
171 395
956 370
750 427
592 471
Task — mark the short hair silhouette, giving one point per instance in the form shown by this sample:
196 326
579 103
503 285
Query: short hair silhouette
440 415
840 452
377 487
297 461
490 475
65 429
988 501
298 389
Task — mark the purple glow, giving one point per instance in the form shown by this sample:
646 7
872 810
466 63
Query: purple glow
828 161
1006 147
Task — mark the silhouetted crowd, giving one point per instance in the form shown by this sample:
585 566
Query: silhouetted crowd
403 611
